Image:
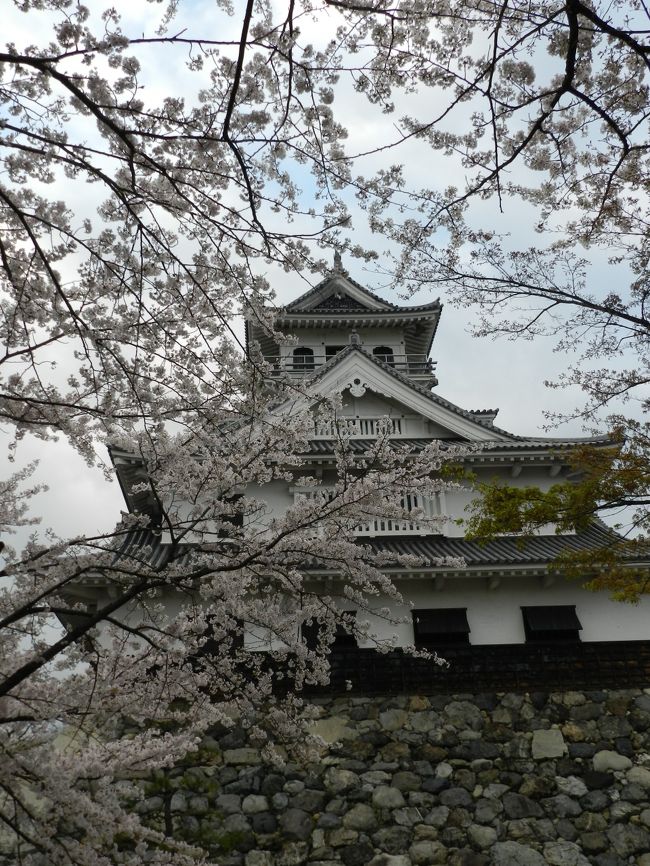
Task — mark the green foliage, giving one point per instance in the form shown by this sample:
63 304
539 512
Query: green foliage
603 479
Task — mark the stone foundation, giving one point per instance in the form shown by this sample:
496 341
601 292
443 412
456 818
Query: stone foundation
465 780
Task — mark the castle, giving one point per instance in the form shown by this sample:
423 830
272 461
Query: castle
529 748
504 616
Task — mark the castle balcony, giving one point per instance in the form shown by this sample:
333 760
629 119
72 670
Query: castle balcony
359 428
427 507
303 361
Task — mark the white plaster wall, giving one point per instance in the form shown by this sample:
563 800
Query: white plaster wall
373 405
494 616
318 338
275 498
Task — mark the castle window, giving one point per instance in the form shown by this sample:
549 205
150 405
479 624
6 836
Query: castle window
212 645
331 351
234 517
385 354
343 638
303 358
551 623
442 626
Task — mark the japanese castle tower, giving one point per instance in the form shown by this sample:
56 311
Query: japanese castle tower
376 354
504 611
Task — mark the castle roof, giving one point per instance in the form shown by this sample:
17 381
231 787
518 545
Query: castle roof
340 302
510 555
356 362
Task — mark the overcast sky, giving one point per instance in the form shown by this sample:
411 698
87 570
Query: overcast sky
474 374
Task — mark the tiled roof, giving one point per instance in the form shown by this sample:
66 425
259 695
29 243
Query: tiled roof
482 417
146 548
298 305
509 550
359 446
332 276
543 444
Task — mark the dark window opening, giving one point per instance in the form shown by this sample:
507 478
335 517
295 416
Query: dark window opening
215 644
385 354
303 358
440 627
343 637
551 623
330 351
234 636
309 631
234 518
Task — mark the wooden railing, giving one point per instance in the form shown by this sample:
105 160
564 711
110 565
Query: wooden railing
428 506
357 428
411 365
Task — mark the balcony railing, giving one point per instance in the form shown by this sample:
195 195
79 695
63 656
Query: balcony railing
428 506
410 365
357 428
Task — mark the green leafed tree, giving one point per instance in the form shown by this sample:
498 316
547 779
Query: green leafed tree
606 479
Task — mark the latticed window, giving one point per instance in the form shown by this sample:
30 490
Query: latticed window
303 358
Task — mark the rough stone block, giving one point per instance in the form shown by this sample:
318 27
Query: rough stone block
427 852
384 797
259 858
515 854
360 817
393 720
481 837
548 744
605 760
639 776
254 803
564 853
244 755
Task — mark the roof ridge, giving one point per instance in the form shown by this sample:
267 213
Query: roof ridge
392 307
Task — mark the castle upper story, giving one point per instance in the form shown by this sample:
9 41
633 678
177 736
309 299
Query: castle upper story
339 312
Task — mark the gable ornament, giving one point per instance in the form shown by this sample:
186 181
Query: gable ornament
357 387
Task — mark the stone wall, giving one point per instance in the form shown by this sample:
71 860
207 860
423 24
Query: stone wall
465 780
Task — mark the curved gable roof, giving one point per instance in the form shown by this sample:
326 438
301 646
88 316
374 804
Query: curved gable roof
474 425
393 383
361 298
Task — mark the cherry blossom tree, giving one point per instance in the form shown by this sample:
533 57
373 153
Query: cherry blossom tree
139 219
117 326
153 653
134 230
